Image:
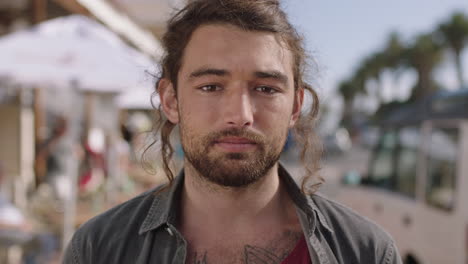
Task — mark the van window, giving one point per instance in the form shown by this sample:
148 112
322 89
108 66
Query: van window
395 160
383 163
441 169
406 161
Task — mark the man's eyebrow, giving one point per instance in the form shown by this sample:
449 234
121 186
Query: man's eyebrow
208 71
272 75
258 74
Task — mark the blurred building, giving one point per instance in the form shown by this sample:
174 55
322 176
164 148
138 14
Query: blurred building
25 109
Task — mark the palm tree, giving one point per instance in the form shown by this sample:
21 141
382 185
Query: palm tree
393 51
423 55
455 36
394 57
370 69
348 90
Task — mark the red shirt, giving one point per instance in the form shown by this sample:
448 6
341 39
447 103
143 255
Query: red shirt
299 255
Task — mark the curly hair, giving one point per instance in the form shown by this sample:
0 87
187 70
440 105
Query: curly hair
249 15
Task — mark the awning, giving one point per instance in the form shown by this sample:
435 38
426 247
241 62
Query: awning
120 23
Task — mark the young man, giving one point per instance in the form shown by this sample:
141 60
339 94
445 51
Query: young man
232 83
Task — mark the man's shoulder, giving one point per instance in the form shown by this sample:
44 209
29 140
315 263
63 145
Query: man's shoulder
339 216
131 212
353 233
337 211
111 229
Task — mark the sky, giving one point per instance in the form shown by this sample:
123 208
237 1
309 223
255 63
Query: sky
340 34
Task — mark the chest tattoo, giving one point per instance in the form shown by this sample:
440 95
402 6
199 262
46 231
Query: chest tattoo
274 252
252 255
199 258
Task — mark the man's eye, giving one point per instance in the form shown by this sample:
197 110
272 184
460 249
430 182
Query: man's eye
210 88
266 89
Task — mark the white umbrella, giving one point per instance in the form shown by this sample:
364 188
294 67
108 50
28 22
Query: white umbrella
73 48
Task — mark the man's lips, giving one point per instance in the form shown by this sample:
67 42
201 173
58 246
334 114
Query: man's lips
235 144
235 140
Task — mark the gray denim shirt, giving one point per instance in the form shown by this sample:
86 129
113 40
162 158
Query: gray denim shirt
143 230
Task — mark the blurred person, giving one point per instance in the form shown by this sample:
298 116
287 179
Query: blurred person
125 130
233 85
92 169
51 160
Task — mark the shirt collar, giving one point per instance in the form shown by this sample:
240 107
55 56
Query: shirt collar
303 202
165 205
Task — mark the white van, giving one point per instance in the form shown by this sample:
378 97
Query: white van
417 183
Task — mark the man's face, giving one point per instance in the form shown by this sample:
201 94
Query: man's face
235 103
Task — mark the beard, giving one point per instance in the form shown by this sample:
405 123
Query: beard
232 169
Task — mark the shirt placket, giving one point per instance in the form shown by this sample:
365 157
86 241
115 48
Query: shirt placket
318 250
181 252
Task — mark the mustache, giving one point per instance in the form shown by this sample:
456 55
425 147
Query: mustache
236 132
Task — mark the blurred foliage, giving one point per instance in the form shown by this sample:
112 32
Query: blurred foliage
421 54
454 36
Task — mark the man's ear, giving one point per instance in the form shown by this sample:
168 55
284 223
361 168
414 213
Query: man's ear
297 107
168 99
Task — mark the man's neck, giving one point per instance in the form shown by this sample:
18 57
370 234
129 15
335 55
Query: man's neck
260 217
261 204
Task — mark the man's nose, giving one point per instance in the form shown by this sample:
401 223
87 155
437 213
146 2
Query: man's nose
239 111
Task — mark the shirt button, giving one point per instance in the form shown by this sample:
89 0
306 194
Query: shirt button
168 229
